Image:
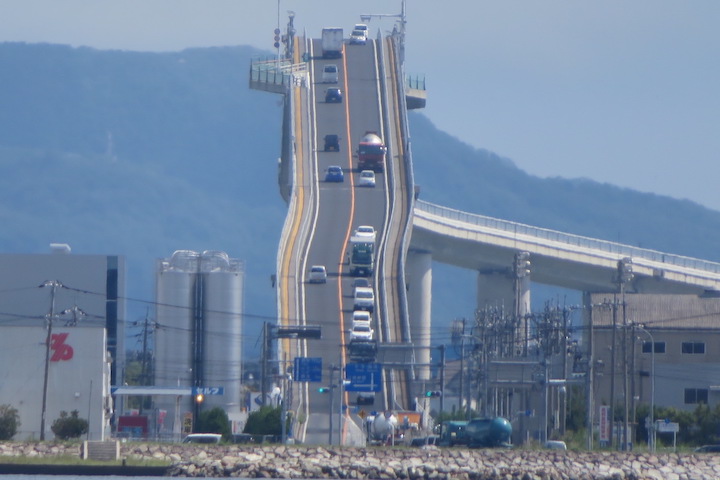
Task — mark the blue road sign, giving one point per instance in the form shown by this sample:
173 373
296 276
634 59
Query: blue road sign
209 390
363 377
308 369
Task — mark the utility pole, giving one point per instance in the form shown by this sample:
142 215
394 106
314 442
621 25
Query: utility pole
589 380
144 362
612 370
54 284
442 377
624 276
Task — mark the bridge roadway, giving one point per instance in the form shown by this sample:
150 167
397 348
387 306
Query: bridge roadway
321 220
322 216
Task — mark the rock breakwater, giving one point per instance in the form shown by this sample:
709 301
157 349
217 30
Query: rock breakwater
429 463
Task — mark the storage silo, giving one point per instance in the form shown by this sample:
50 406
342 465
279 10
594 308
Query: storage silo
223 305
199 331
175 287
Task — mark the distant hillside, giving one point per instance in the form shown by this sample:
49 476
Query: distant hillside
141 154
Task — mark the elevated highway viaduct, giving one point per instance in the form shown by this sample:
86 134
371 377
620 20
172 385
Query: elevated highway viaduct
410 236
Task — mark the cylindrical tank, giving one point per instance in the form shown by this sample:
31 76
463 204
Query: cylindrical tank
371 138
198 340
175 283
489 432
223 306
173 333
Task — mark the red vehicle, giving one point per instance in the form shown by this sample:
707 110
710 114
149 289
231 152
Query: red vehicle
371 152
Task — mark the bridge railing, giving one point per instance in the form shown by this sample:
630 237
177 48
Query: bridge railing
415 82
271 71
566 238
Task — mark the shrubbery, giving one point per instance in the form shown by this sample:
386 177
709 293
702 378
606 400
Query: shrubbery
71 426
9 422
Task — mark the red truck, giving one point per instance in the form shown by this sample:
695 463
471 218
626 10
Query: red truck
371 152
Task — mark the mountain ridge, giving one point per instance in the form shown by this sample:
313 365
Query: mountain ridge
142 154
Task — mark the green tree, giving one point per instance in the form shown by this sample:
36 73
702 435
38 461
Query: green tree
214 420
69 426
577 409
9 422
265 421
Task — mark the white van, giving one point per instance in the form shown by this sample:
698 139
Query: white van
330 74
364 299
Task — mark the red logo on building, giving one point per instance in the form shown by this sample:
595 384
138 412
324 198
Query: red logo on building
61 350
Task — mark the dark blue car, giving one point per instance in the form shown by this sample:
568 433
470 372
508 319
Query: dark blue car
334 174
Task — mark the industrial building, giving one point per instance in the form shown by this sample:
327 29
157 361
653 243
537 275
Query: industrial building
198 337
61 338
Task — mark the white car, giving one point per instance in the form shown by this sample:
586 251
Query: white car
366 231
367 179
361 331
364 299
318 274
358 37
361 316
330 74
362 27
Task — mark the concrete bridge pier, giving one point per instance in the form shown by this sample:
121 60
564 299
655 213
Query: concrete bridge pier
418 272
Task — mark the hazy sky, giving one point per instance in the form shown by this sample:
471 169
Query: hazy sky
618 91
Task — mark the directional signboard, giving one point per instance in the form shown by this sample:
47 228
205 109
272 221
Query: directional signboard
363 377
209 390
308 369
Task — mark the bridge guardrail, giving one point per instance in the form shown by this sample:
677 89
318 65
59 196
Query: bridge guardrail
567 238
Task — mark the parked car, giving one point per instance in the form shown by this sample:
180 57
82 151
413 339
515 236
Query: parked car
707 449
429 440
333 95
555 445
318 274
367 179
330 74
203 438
334 173
332 143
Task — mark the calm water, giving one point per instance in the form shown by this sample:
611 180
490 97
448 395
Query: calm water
85 477
78 477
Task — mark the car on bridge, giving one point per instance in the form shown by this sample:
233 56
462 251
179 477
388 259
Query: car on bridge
333 95
332 143
358 37
330 74
318 274
365 231
367 179
361 316
334 173
361 282
361 331
364 299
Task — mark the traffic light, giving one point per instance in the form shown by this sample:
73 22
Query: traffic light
323 389
199 398
433 393
277 38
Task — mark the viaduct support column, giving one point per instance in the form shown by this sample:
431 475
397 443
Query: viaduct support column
418 272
